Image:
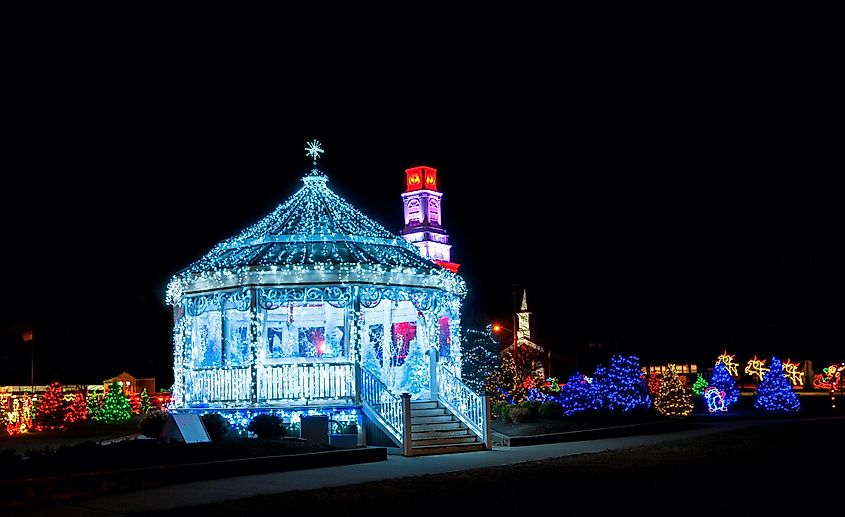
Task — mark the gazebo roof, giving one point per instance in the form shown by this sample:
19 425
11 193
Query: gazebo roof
313 227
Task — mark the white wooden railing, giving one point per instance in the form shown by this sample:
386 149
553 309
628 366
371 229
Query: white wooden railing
387 407
471 408
306 382
231 385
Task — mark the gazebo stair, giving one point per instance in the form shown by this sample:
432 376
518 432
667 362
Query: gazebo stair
435 430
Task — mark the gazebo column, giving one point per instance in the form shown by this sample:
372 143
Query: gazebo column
434 355
353 312
254 336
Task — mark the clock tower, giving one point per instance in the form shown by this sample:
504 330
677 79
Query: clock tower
423 223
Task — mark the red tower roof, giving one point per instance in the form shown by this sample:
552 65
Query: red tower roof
421 178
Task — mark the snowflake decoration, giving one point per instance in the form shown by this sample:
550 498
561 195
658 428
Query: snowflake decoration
314 150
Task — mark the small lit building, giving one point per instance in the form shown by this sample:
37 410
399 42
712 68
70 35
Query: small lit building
131 384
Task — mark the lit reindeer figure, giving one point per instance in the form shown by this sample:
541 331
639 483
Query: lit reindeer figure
730 364
756 368
790 371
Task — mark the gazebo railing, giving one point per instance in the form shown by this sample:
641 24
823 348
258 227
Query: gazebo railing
229 385
306 382
384 406
471 408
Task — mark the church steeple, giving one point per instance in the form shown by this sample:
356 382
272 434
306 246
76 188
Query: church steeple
423 223
523 316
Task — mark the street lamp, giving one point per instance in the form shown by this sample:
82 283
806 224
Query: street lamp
497 328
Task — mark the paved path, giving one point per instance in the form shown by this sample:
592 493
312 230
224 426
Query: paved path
217 490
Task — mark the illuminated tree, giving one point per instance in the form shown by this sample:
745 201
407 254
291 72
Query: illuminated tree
598 392
774 393
654 383
116 409
134 402
146 404
480 351
76 409
672 399
625 386
417 369
699 385
50 412
722 380
94 404
507 387
574 396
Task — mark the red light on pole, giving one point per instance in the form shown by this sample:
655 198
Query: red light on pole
497 328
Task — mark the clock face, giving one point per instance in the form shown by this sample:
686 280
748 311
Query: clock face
414 179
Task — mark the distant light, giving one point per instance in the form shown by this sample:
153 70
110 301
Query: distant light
497 328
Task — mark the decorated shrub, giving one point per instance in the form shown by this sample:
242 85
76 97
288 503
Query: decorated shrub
152 423
500 410
519 414
550 409
267 426
216 425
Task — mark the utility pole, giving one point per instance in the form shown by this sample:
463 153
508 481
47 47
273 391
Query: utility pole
515 319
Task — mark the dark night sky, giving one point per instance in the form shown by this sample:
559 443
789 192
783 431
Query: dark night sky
668 208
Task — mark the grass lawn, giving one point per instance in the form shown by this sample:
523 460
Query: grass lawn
791 468
75 433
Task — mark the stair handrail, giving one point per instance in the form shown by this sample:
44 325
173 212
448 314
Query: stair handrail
387 407
471 408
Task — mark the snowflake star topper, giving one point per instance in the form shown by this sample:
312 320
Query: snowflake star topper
314 150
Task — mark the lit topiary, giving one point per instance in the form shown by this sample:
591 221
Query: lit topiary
774 393
626 389
699 385
116 408
672 399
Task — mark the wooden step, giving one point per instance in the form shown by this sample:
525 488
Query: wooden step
448 433
425 405
444 441
420 428
429 412
426 450
441 419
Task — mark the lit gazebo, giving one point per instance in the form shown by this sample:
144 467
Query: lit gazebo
315 308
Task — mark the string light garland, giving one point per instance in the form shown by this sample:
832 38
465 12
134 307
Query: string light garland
75 408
